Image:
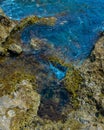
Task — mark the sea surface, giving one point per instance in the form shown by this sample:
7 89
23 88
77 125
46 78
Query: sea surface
78 25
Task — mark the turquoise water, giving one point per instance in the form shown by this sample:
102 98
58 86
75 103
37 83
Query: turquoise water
78 23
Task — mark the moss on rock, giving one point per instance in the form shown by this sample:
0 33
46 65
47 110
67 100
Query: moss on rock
72 81
8 82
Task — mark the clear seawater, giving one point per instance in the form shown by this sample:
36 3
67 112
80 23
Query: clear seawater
78 23
74 34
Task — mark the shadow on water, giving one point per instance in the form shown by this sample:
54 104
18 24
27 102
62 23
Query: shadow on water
54 97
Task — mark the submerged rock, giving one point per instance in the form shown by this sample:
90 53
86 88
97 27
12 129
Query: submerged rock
11 30
16 49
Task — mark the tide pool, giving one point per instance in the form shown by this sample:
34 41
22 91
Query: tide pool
76 30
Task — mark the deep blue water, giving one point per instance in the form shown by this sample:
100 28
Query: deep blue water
78 23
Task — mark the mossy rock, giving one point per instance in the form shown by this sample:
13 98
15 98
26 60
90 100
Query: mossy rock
8 83
72 81
21 120
56 60
73 77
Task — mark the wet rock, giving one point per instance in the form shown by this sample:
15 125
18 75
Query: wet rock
36 43
16 49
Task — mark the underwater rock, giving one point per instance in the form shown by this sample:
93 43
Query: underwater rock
11 30
37 43
16 49
41 46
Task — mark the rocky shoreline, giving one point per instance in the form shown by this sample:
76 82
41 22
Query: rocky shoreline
24 78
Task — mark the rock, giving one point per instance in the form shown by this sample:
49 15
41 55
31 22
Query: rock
93 68
36 43
6 26
15 49
39 44
2 51
92 128
19 109
1 12
96 127
11 113
92 71
11 29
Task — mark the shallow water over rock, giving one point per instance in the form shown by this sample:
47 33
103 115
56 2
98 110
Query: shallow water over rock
77 27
